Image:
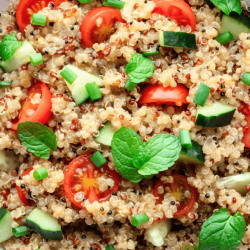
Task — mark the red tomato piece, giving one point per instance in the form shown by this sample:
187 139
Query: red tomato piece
156 93
245 110
80 181
177 10
36 107
98 25
26 8
22 196
27 171
177 189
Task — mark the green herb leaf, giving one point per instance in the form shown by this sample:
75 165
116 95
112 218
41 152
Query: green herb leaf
124 143
84 1
8 46
5 83
228 6
160 153
222 231
37 138
139 68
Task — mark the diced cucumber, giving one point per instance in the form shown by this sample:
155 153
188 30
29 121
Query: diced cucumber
216 115
192 155
236 182
44 224
177 39
8 160
128 8
5 224
106 134
20 57
77 88
158 232
236 24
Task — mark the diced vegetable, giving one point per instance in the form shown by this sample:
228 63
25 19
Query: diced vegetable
185 138
216 115
236 182
130 85
8 160
44 224
157 232
93 91
38 19
225 38
177 39
5 224
202 94
151 53
20 57
109 247
20 231
78 88
68 75
36 59
114 3
139 219
106 134
98 159
246 79
40 173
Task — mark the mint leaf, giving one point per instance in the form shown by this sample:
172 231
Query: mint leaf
5 83
37 138
8 46
124 143
139 68
228 6
160 153
222 231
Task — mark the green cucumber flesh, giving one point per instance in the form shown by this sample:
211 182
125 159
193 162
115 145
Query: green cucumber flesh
5 225
106 134
20 57
77 88
216 115
177 39
236 24
44 224
8 160
192 155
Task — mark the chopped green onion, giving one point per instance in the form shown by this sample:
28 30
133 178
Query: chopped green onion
224 38
84 1
202 94
93 91
185 138
36 59
130 85
98 159
139 219
38 19
68 75
20 231
151 53
110 247
40 174
114 3
246 79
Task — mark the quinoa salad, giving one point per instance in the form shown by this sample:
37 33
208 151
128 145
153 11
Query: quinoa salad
125 124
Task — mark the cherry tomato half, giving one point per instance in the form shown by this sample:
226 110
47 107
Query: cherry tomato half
26 8
94 32
81 181
22 196
177 189
245 110
36 107
177 10
158 94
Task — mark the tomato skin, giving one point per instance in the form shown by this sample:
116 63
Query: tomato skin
178 181
88 28
158 94
177 10
83 162
22 196
42 110
27 172
245 110
25 9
